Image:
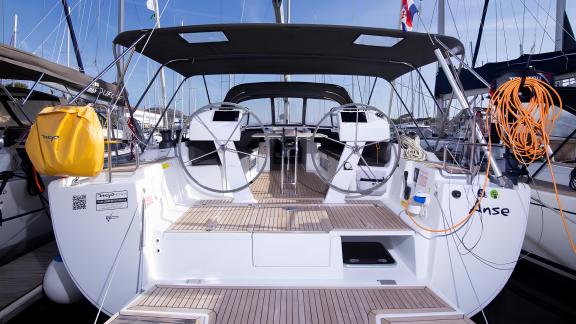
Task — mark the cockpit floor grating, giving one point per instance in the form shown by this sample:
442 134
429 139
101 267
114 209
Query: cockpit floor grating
267 187
288 218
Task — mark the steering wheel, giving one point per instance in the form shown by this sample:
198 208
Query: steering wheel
222 148
355 148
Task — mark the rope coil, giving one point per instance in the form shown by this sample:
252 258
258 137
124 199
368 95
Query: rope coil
411 149
525 128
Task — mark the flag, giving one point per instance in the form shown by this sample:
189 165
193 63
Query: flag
150 6
407 14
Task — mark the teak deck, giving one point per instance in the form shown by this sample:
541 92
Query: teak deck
290 305
266 188
295 218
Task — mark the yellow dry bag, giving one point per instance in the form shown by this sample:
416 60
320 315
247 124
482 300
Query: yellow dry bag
66 141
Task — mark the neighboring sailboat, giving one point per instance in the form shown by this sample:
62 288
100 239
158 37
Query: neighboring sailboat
546 240
24 220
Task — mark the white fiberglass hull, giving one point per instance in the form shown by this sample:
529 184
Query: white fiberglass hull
121 242
546 234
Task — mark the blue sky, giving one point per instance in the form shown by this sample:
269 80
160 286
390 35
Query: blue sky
41 29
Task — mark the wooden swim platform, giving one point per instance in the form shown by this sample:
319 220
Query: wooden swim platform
287 305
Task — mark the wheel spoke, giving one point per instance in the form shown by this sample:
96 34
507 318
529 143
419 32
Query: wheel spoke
201 156
342 165
208 129
339 142
369 144
367 166
356 130
233 131
225 178
249 154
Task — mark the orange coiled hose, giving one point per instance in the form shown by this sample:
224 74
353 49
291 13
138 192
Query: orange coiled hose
525 127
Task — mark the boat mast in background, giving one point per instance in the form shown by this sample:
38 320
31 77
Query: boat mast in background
15 34
153 5
560 13
443 109
279 13
393 82
73 36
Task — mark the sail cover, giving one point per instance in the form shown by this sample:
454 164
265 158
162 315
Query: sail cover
557 63
20 65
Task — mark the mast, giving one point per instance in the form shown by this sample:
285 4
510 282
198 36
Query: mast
393 82
15 35
560 11
441 18
279 13
162 78
441 115
73 36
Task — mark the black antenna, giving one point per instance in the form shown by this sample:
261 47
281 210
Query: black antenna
73 36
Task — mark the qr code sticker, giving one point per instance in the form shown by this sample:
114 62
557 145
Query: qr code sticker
78 202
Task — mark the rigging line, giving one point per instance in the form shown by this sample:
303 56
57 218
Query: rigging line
108 21
496 48
38 23
539 23
433 12
242 12
553 19
523 23
87 28
53 54
57 27
535 33
112 271
545 25
493 264
453 20
515 21
82 14
469 278
206 88
61 44
451 105
97 37
124 80
359 89
372 91
503 30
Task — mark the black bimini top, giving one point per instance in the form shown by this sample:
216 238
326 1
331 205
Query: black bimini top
249 91
288 49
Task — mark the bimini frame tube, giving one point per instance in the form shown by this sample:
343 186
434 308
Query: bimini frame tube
153 79
164 112
462 100
79 94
